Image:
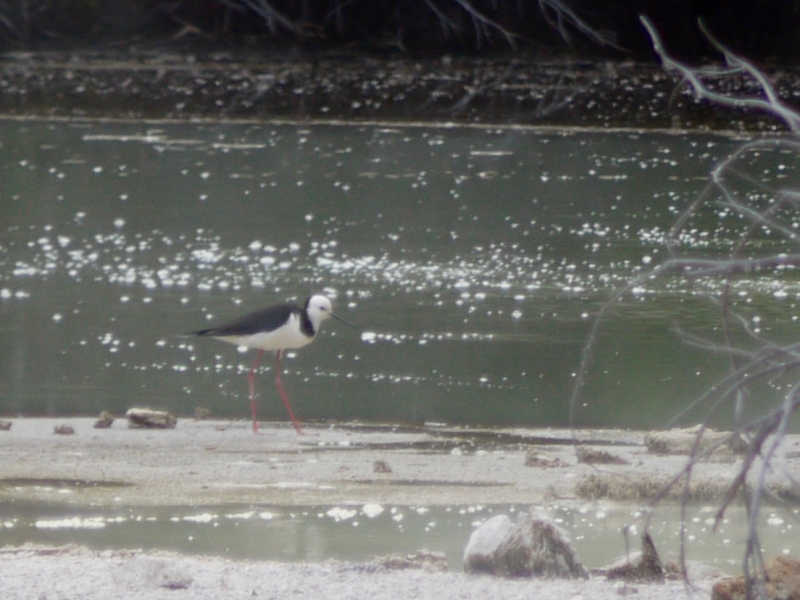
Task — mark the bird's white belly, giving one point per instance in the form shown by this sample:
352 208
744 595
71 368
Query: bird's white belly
287 336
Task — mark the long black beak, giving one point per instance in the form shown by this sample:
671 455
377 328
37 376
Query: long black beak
340 319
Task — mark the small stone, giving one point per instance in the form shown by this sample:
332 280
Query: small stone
5 425
381 466
104 421
63 429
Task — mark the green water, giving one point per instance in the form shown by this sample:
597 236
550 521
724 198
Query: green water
361 533
472 260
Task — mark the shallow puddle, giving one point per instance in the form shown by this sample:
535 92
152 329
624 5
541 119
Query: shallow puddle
358 533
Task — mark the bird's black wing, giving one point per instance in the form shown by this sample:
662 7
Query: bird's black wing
266 319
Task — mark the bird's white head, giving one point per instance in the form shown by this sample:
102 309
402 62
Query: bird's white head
318 308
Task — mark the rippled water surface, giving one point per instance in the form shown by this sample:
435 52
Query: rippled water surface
471 259
359 533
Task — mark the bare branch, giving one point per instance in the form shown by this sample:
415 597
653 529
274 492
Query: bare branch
736 65
443 19
479 17
765 240
270 14
565 15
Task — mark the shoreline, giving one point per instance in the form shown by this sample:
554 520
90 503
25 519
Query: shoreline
361 89
529 128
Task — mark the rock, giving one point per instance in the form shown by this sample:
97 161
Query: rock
637 566
682 441
593 456
153 419
5 425
104 421
536 458
64 429
536 547
783 582
381 466
484 543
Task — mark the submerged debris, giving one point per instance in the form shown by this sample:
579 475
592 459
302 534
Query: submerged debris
148 418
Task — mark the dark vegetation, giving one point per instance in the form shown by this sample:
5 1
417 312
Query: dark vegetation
762 30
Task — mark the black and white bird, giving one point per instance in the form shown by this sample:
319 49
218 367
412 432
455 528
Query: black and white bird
279 327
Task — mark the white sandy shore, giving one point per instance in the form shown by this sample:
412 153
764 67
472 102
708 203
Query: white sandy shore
77 573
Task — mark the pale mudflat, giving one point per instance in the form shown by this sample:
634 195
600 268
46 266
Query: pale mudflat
219 462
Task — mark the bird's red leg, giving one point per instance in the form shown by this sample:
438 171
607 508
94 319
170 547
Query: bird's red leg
250 379
279 385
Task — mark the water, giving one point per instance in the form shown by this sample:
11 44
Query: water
360 533
471 259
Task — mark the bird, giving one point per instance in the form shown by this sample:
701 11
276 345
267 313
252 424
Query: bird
279 327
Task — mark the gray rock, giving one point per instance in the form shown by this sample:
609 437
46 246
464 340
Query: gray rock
480 553
535 547
139 418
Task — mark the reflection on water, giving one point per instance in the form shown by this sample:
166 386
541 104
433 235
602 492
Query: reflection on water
472 260
358 533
